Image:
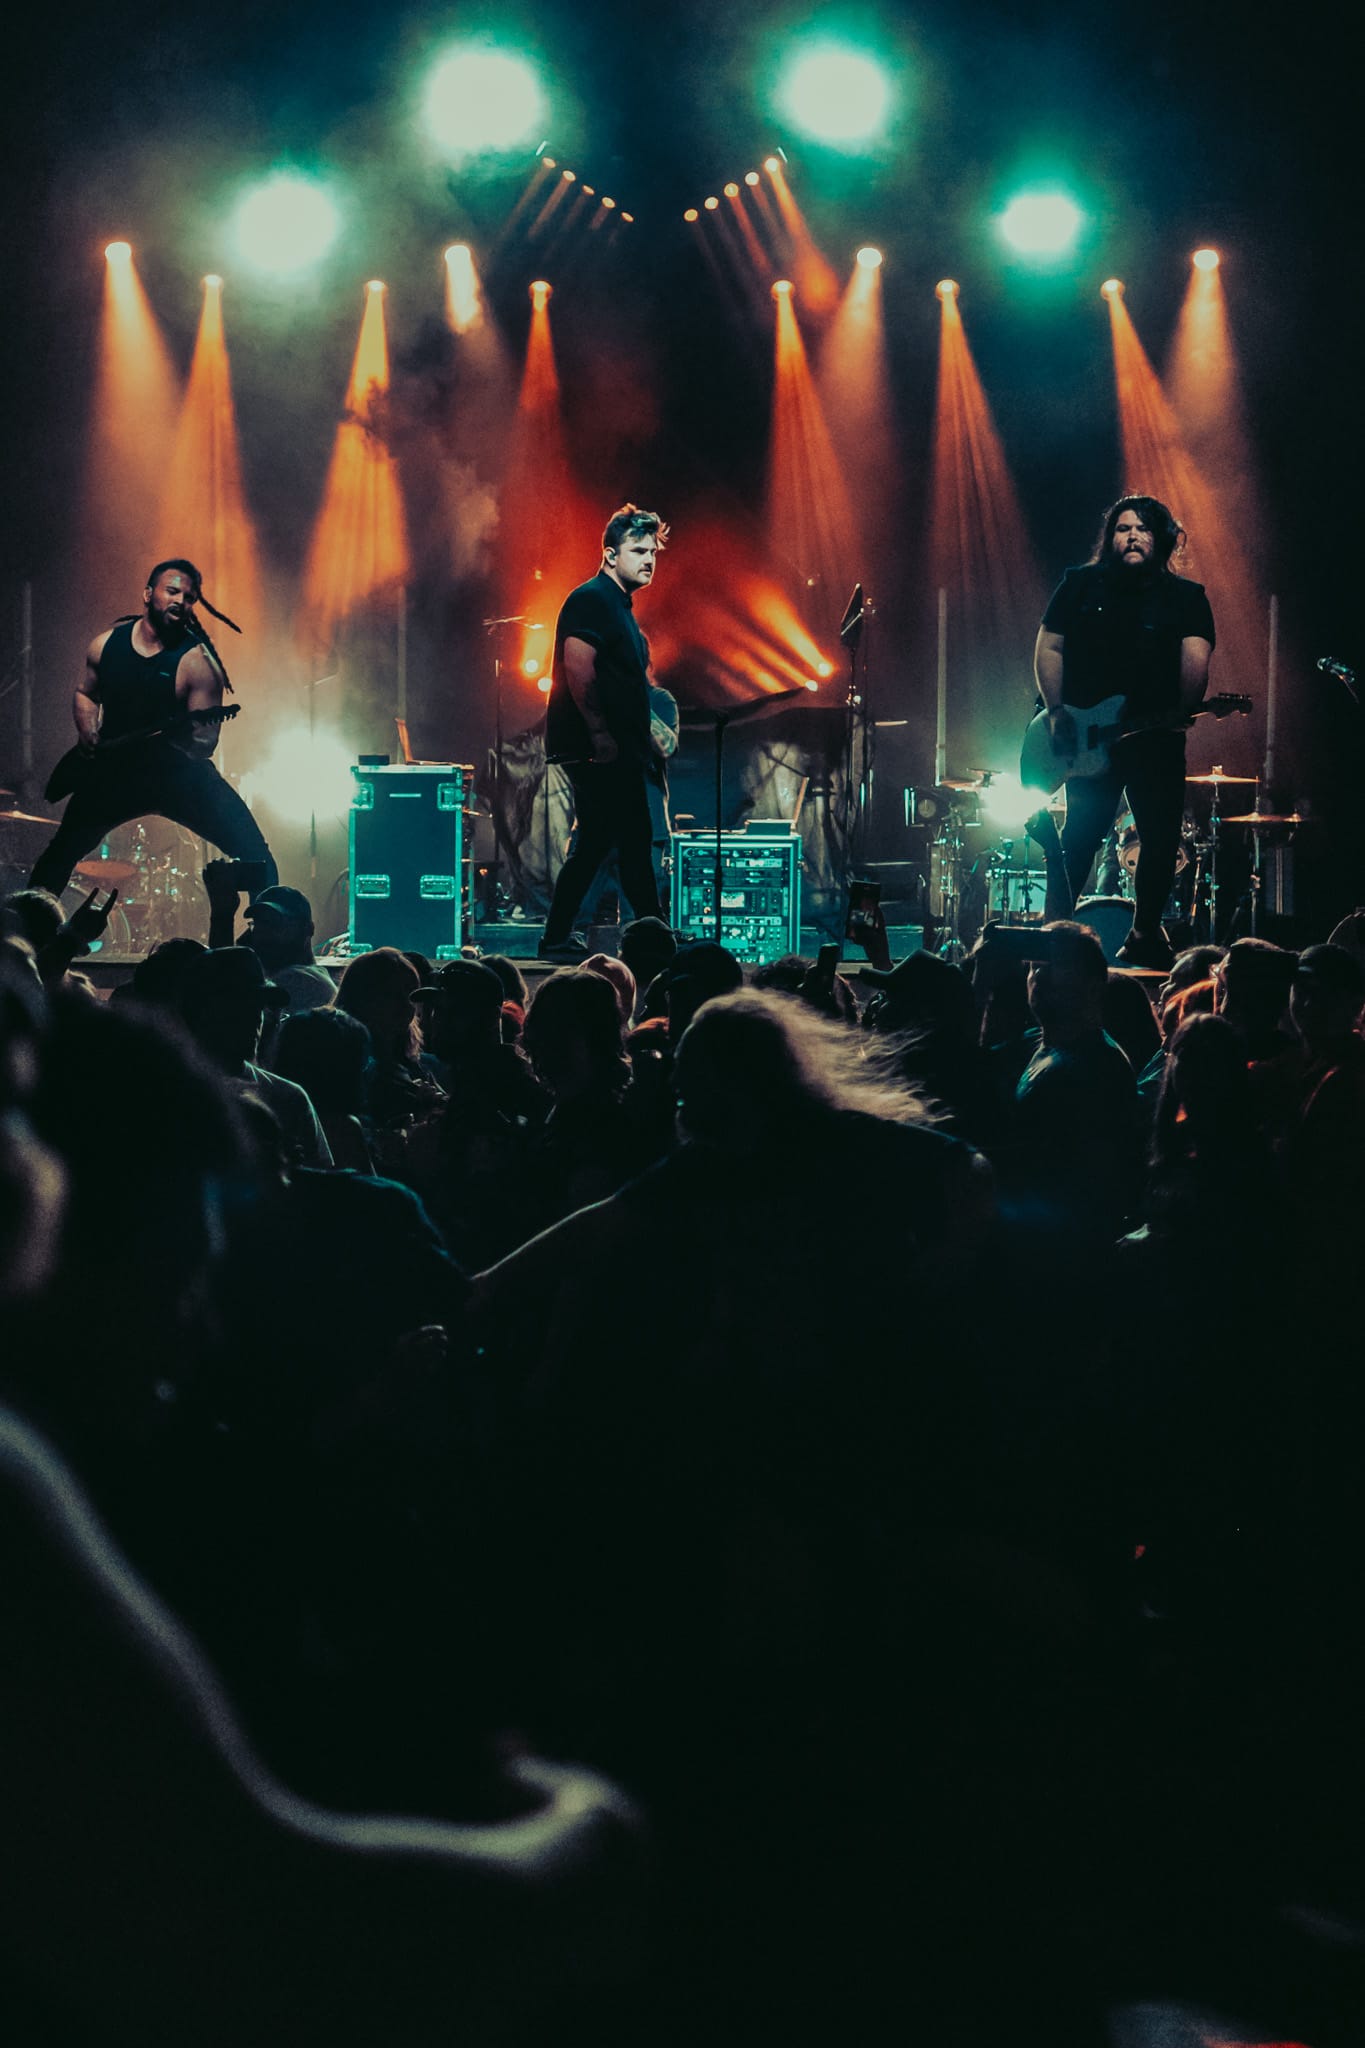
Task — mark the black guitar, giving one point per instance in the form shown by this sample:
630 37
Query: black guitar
79 764
1043 769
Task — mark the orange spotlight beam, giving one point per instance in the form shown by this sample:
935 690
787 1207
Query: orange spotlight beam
359 547
811 522
979 549
204 510
819 285
137 396
1213 501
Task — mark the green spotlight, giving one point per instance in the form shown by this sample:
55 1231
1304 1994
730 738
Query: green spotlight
480 99
1041 224
285 225
835 93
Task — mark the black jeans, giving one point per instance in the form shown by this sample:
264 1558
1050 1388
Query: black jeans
1149 768
612 802
160 782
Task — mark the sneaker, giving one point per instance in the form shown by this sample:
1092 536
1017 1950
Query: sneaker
570 952
1146 949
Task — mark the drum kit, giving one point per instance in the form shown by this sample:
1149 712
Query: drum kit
1016 891
155 867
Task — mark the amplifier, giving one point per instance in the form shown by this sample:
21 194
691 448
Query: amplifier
411 856
760 896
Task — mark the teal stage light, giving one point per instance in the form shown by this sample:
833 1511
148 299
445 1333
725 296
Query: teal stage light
286 225
835 93
1041 224
481 99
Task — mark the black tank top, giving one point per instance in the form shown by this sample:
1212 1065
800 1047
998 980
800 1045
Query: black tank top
137 690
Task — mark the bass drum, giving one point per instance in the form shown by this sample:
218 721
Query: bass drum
1110 918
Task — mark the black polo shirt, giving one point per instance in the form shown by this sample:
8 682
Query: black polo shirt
1123 632
599 612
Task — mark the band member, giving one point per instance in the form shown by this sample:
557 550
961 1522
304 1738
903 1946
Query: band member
598 726
143 674
664 721
1127 624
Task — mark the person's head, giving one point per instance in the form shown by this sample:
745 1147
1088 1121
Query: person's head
160 981
281 922
1066 987
697 972
922 994
621 980
1252 983
1138 535
173 589
1205 1106
631 544
1195 963
381 989
647 947
224 999
1194 1000
462 1010
124 1099
1326 995
514 996
756 1067
573 1035
34 914
326 1051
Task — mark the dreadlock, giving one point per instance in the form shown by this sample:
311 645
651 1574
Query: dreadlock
197 632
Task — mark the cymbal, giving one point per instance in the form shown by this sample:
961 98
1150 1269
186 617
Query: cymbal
1216 778
1266 818
24 818
967 788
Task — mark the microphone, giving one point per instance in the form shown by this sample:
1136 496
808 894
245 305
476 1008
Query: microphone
852 623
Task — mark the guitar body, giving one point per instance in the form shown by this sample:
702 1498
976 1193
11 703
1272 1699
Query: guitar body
77 767
1097 728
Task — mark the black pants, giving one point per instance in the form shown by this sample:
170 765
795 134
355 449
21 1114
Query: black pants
160 782
1150 769
612 802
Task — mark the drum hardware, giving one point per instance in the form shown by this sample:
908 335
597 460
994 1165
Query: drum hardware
1258 822
1206 864
950 864
1011 888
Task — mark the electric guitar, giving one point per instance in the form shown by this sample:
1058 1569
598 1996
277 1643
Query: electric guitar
79 764
1097 729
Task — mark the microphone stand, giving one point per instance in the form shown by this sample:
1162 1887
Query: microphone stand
856 802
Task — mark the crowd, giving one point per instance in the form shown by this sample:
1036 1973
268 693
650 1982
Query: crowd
893 1444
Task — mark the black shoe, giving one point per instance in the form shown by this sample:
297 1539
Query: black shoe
570 952
1146 949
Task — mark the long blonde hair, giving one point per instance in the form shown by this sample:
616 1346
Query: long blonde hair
760 1058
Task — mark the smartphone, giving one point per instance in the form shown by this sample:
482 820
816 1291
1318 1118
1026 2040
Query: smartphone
1021 943
826 960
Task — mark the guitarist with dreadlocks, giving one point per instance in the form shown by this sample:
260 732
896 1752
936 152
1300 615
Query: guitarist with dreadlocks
147 714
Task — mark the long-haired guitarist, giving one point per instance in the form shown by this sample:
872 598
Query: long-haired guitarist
1126 624
147 712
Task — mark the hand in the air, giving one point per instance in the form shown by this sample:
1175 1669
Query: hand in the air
221 881
86 924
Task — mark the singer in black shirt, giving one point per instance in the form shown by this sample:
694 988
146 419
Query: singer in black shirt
141 674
